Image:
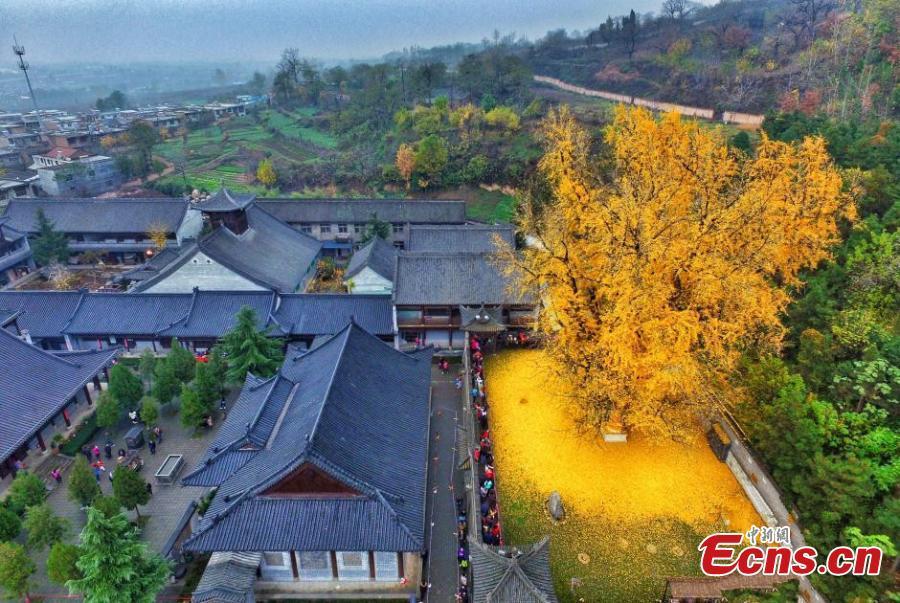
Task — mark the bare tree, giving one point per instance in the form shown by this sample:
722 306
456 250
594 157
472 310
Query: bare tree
808 14
675 9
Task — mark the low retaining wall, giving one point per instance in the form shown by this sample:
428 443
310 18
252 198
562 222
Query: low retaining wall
728 117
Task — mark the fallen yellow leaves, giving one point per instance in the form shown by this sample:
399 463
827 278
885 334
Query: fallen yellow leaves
537 445
635 512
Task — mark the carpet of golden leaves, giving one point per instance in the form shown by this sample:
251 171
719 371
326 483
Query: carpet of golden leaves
637 510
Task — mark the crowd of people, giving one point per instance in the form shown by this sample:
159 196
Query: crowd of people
483 453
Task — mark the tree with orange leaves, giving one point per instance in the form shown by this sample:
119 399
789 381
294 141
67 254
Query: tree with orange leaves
406 162
657 274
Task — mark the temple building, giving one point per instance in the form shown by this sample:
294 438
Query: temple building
115 230
41 393
246 248
371 269
16 259
321 474
510 574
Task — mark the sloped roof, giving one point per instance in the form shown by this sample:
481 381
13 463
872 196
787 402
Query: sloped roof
516 576
450 279
228 578
378 254
43 313
468 238
225 201
35 385
125 314
100 216
212 313
201 313
328 313
7 230
357 410
269 253
413 211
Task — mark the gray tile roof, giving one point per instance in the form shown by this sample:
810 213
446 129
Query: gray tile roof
50 314
328 313
43 313
444 279
126 314
228 578
225 201
35 385
270 253
334 211
116 215
468 238
517 576
357 410
212 313
378 254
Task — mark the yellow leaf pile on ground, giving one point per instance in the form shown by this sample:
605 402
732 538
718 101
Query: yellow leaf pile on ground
637 510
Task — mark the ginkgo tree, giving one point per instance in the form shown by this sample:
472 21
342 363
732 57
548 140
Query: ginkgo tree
660 264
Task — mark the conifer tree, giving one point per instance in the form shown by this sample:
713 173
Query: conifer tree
83 487
49 245
125 386
115 564
250 349
130 489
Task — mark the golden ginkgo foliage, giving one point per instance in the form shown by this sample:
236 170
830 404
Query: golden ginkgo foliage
658 271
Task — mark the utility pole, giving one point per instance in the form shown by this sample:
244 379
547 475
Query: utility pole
19 51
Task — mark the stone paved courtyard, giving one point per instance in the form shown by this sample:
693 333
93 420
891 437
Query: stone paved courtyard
166 506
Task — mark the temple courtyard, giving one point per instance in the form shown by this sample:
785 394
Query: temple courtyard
635 511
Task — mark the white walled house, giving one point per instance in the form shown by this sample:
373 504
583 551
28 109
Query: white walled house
371 269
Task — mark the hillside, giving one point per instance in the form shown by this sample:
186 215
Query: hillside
746 56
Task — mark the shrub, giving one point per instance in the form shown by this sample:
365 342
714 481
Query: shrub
26 490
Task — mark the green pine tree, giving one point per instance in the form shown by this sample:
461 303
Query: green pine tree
166 384
125 386
109 411
61 562
149 410
10 525
182 362
147 364
83 487
249 349
207 385
49 245
193 409
108 505
43 527
26 490
16 569
130 489
115 564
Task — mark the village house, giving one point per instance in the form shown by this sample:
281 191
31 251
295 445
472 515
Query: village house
40 395
117 229
73 171
320 473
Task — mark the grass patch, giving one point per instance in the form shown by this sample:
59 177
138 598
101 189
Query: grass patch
637 510
487 206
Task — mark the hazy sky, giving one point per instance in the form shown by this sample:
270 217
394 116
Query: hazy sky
227 30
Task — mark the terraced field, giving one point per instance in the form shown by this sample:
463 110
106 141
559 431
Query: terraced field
228 152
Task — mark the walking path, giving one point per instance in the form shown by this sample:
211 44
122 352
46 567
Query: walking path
767 489
166 506
444 481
